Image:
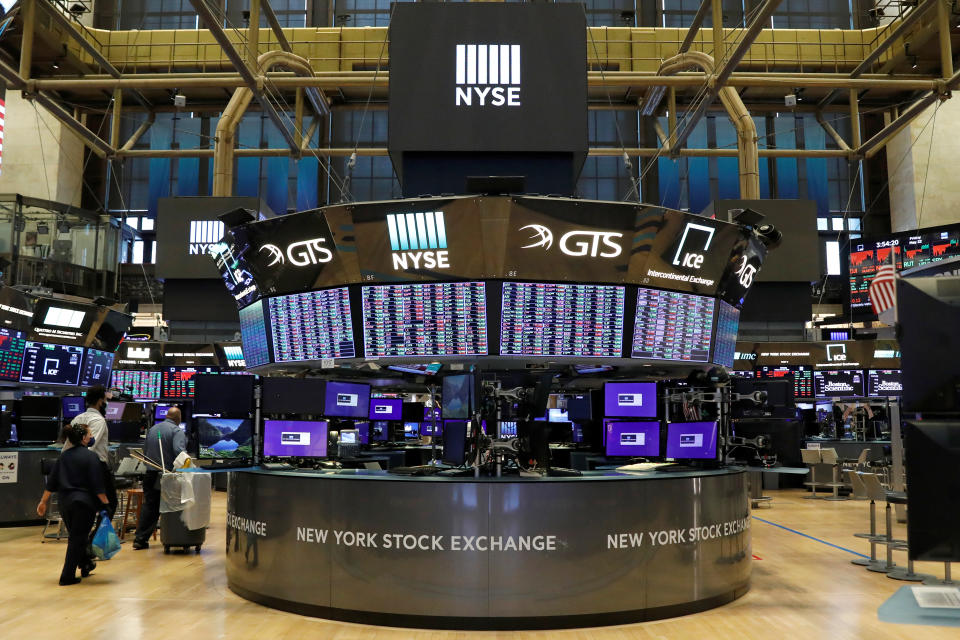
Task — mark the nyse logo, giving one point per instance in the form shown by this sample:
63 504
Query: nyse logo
418 240
488 75
576 243
204 236
300 254
699 236
746 273
836 353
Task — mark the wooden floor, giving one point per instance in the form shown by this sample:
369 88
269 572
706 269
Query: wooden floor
802 588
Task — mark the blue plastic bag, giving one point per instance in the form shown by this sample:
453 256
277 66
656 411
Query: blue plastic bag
105 542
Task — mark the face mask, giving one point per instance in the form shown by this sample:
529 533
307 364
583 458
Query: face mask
92 440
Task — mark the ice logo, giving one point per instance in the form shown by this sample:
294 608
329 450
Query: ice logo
542 237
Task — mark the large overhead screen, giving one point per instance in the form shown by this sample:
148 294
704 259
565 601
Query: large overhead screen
12 343
577 320
312 326
253 334
725 343
838 384
51 363
440 319
673 326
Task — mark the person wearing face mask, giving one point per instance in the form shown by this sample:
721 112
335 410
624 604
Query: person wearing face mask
96 401
78 481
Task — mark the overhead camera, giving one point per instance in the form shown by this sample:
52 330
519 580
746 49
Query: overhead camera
769 235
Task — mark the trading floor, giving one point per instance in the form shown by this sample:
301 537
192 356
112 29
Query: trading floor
803 584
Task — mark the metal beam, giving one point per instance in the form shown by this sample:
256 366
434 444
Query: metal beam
716 83
946 46
317 100
142 129
26 44
695 26
718 48
213 25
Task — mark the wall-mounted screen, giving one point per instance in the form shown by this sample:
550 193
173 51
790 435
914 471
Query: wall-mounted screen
438 319
725 343
312 326
97 366
12 343
802 378
884 382
179 382
385 408
838 384
556 320
672 326
692 440
51 363
630 400
633 439
346 399
142 385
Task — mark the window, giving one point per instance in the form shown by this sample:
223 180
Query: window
605 178
372 178
833 257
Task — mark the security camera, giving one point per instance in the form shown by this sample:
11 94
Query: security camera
769 235
179 100
790 100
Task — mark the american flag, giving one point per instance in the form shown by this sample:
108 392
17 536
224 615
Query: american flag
883 289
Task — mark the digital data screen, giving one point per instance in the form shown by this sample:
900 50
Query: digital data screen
630 400
51 363
884 382
142 385
633 439
554 320
312 326
180 382
295 438
692 440
673 326
802 378
439 319
253 335
725 344
97 366
12 343
838 384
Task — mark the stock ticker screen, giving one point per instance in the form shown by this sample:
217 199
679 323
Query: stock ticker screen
12 343
142 385
312 326
673 326
581 320
180 382
253 335
802 378
97 366
437 319
51 363
728 324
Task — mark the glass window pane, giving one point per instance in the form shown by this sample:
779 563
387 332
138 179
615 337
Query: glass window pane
833 258
853 224
836 224
146 224
133 222
822 224
137 257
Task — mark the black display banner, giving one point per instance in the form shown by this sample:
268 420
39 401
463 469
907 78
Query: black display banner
16 309
568 240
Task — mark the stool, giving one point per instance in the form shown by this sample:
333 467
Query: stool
134 506
829 456
856 484
906 574
947 581
811 457
873 490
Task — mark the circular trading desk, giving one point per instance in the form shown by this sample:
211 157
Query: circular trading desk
489 553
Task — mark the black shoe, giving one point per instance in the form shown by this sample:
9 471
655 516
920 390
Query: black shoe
137 545
87 570
68 581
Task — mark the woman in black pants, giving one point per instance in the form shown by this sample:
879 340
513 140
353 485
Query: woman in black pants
78 481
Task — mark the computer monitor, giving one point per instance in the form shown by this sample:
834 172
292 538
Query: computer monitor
295 438
933 456
160 411
426 428
292 395
40 407
506 430
114 411
72 406
691 440
411 412
224 395
37 430
349 436
411 430
560 432
363 428
557 415
385 408
455 442
633 439
346 399
223 437
579 407
630 399
123 431
380 431
458 396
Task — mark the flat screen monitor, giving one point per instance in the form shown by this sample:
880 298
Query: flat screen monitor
540 319
40 407
114 411
672 326
295 438
97 366
292 395
426 428
72 406
180 382
557 415
429 413
386 408
802 377
363 429
253 335
846 383
224 395
435 319
315 325
691 440
506 430
458 396
142 385
380 431
223 437
51 363
560 432
37 430
12 343
160 411
933 456
630 399
123 431
411 429
417 369
579 407
349 436
346 399
633 439
455 442
884 383
412 411
725 343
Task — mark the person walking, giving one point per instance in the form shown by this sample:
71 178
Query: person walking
168 437
96 401
78 481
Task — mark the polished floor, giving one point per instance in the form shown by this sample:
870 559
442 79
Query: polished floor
802 588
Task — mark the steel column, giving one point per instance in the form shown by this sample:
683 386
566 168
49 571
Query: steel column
695 26
26 45
946 46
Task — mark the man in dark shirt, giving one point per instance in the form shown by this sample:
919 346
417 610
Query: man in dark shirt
165 440
78 481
